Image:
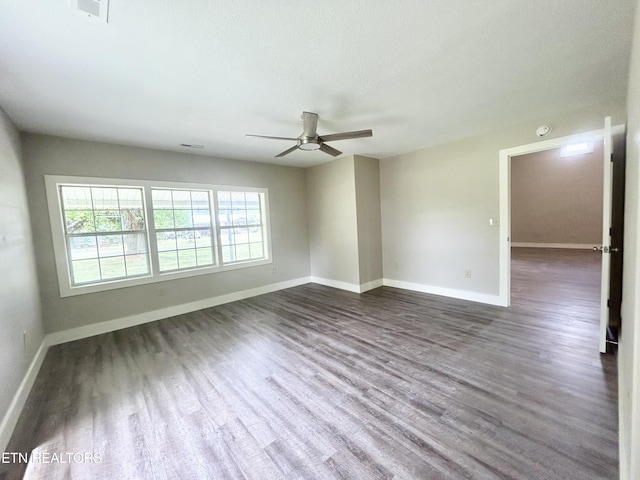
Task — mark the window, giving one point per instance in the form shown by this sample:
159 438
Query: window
115 233
105 233
241 226
183 227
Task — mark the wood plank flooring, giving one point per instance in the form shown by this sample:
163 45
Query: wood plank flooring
317 383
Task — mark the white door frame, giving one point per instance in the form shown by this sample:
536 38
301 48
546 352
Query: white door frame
505 195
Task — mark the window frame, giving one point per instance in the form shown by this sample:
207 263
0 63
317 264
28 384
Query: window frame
62 255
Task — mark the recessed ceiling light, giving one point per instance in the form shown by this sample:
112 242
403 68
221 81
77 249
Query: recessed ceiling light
192 145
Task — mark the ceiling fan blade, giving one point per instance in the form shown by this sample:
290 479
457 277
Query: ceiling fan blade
273 138
346 135
330 150
287 151
309 124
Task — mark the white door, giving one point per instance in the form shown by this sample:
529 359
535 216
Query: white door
606 236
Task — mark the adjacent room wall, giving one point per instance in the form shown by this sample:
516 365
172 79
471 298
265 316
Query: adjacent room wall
436 204
19 298
367 184
333 235
59 156
555 199
629 340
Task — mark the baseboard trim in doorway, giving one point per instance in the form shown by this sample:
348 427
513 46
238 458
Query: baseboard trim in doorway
574 246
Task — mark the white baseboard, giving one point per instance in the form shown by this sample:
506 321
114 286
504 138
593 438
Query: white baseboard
351 287
575 246
365 287
130 321
19 399
446 292
85 331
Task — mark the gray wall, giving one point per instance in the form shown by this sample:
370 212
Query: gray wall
58 156
333 236
629 346
344 221
435 209
367 184
557 199
436 204
19 298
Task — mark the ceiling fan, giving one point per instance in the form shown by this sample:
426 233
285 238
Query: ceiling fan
310 140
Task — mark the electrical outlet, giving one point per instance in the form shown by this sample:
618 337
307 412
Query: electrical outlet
467 274
160 291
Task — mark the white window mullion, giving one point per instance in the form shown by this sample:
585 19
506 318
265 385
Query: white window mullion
266 225
151 227
216 226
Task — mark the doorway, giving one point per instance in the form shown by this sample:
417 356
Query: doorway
505 157
556 198
556 219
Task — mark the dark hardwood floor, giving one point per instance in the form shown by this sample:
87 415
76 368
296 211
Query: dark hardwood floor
314 383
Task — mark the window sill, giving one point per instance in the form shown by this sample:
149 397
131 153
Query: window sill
66 291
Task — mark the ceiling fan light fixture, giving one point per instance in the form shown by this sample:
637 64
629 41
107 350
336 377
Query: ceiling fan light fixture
309 146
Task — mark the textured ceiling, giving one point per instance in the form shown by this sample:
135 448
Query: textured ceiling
417 72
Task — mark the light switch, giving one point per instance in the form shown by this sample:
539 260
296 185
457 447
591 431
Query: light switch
494 222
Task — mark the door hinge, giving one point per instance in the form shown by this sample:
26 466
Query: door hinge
610 231
612 156
608 303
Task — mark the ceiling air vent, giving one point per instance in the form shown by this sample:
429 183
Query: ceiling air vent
92 8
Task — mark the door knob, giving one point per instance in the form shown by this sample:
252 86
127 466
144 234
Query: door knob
604 249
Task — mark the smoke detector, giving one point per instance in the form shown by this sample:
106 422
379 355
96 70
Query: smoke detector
91 8
543 130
